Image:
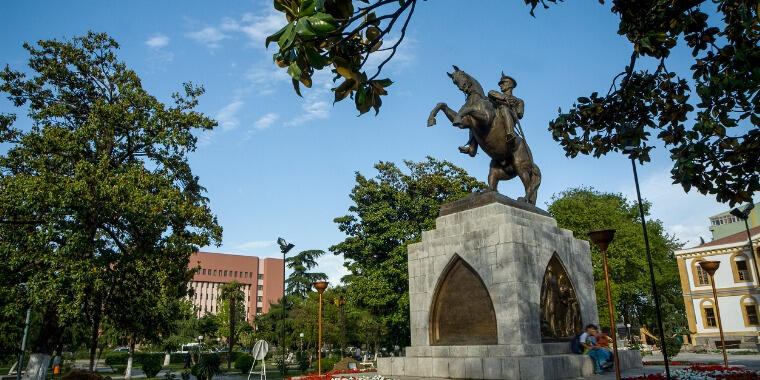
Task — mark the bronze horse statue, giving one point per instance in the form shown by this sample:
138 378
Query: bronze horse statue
510 157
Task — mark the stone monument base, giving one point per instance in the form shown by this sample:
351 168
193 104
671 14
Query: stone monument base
539 361
489 287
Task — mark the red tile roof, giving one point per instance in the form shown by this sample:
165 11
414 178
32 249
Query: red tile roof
739 237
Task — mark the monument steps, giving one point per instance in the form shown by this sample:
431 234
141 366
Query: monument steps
546 366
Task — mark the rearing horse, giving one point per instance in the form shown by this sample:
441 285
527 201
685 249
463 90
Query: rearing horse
509 159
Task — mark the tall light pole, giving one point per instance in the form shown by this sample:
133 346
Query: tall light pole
23 344
744 215
284 248
655 295
320 286
710 267
602 239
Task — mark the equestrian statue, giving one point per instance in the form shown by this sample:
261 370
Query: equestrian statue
493 121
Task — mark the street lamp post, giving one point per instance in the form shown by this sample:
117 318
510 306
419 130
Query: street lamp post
320 286
23 344
710 267
655 295
628 329
284 248
744 215
602 239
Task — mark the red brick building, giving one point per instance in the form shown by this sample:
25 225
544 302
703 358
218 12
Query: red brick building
261 279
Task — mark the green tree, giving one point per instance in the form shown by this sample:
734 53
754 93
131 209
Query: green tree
300 279
582 210
716 153
97 190
389 212
231 309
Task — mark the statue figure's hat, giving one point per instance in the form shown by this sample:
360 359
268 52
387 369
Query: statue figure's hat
505 77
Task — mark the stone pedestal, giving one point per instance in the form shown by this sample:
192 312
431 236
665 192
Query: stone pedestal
474 293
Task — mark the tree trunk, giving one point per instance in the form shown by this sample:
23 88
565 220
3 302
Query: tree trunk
231 340
167 358
97 310
43 347
100 355
128 371
37 367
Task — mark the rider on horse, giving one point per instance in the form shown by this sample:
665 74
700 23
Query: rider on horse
509 107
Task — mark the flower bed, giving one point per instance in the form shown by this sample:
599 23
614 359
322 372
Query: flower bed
676 363
337 375
705 372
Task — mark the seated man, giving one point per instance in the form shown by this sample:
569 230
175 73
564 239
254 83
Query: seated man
602 358
603 340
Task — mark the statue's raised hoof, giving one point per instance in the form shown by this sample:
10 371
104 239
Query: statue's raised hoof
431 122
522 199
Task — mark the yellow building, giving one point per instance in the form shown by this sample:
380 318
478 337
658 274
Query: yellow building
737 288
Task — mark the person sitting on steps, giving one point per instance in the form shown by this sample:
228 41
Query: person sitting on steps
601 357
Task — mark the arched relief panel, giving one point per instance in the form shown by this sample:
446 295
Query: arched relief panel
560 308
462 312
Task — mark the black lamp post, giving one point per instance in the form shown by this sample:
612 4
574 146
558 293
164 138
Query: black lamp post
744 215
285 247
656 296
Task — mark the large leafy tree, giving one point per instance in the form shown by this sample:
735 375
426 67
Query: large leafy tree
716 152
388 212
582 210
299 283
96 190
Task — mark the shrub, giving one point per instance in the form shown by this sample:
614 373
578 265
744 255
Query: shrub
116 358
329 362
243 363
151 365
207 367
78 374
303 360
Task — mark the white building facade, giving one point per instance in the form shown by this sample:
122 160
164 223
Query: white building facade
736 285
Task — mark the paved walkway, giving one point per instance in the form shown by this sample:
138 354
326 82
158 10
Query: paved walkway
749 361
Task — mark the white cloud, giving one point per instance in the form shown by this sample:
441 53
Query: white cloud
264 77
205 138
684 215
332 266
227 116
157 41
254 245
312 110
255 27
209 36
266 121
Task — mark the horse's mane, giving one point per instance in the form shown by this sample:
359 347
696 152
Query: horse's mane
471 84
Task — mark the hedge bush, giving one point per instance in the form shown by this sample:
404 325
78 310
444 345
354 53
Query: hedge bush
120 358
78 374
243 363
151 365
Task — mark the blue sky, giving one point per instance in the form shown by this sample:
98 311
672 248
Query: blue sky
280 165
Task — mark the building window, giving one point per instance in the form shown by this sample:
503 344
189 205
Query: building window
225 273
701 278
214 272
749 311
740 267
708 313
235 273
259 298
710 317
258 310
260 287
261 276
